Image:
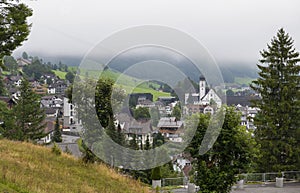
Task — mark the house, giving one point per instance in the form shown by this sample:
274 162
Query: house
141 129
51 112
57 88
23 62
167 100
198 108
48 130
171 128
14 80
134 97
144 102
70 119
205 96
51 101
8 100
247 115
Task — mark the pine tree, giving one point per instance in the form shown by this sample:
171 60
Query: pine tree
3 90
120 136
278 120
147 144
29 115
133 144
57 132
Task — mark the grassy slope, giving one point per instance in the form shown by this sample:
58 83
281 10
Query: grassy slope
124 81
26 167
60 74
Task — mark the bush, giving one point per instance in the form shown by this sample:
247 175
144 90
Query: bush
56 150
156 173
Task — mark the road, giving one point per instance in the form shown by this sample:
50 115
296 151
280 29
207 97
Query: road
288 188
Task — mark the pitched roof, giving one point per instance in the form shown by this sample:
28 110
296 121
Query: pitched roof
134 126
242 100
170 122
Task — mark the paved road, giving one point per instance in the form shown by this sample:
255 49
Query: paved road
289 188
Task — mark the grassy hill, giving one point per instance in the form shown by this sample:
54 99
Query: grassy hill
30 168
124 81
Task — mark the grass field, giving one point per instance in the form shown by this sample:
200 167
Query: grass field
127 82
60 74
30 168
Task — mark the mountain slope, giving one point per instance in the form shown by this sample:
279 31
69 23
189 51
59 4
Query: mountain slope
26 167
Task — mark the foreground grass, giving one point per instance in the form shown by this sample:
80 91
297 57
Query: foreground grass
26 167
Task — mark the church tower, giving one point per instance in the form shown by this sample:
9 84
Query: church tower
202 87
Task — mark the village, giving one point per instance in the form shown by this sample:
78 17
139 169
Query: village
167 124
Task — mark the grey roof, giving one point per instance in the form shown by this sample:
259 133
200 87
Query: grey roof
134 126
242 100
169 122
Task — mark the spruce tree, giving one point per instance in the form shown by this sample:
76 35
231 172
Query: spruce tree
29 116
278 119
57 132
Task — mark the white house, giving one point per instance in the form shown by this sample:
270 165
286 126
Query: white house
71 122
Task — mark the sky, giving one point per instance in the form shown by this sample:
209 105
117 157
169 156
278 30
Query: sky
232 30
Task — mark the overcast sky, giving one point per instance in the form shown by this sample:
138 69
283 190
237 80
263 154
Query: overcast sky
232 30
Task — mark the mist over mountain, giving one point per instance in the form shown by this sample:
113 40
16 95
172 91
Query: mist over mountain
229 70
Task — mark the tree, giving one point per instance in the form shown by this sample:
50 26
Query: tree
229 92
6 121
25 55
3 90
141 113
57 132
176 112
29 116
232 153
278 120
103 101
133 144
10 64
70 76
14 28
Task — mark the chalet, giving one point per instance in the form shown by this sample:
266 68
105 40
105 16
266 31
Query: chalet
130 127
144 102
57 88
167 100
171 128
48 130
51 101
23 62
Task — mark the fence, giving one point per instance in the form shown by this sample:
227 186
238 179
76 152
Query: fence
292 176
174 181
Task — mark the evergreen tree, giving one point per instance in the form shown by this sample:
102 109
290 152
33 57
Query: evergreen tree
25 55
133 144
120 136
29 115
13 26
57 132
7 126
3 90
278 119
147 144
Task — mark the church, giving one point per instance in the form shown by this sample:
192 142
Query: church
205 97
